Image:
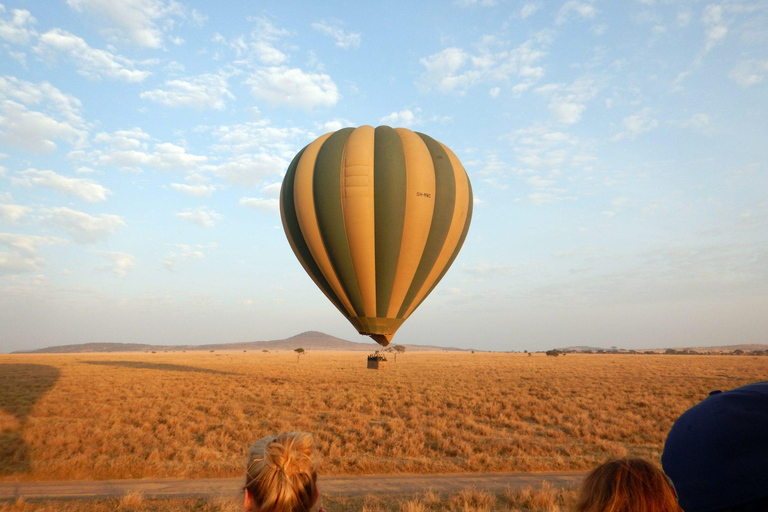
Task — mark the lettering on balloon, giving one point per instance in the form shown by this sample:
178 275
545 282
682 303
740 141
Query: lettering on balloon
423 194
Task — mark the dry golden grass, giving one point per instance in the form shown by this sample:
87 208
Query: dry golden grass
100 416
529 499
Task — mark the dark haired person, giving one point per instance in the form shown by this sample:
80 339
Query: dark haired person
717 452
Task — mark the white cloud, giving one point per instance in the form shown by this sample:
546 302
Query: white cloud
334 125
18 27
636 124
251 169
13 212
85 189
542 198
335 30
272 190
529 9
566 112
261 44
442 71
184 253
23 252
269 202
538 147
194 190
139 21
715 25
84 228
699 122
120 263
493 92
203 217
749 72
716 28
130 151
91 62
259 203
200 92
484 270
258 137
58 117
584 10
34 131
539 182
293 87
568 102
405 118
456 70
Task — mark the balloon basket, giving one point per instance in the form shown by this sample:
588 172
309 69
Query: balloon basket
377 361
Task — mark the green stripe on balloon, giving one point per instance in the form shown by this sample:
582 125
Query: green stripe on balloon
293 230
330 215
389 184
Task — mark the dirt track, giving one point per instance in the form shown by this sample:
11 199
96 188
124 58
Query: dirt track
332 485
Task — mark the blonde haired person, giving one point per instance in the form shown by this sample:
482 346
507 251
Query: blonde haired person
281 474
626 485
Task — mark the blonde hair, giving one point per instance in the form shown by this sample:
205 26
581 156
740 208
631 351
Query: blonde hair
627 485
281 473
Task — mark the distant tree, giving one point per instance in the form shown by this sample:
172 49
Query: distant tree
399 349
553 353
670 351
299 352
738 352
267 351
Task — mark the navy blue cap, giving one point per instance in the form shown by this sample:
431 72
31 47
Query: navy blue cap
717 452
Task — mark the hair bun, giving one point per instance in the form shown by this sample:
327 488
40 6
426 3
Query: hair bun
281 470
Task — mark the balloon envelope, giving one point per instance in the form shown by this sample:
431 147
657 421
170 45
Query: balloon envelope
376 216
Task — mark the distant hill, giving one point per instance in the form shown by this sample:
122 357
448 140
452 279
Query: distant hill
310 340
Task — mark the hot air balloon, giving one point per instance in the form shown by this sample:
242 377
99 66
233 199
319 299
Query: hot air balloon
376 216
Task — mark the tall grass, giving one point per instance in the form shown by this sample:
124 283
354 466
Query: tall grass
195 414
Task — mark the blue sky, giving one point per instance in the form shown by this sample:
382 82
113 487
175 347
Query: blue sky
617 152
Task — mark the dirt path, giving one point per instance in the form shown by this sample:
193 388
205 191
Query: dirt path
331 485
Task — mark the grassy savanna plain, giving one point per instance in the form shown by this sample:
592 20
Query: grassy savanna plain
527 499
194 415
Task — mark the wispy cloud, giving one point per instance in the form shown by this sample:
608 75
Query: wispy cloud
640 122
91 62
293 87
82 227
335 29
22 252
142 22
208 91
85 189
203 217
456 70
120 263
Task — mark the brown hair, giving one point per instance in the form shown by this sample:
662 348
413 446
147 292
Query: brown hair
627 485
281 475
